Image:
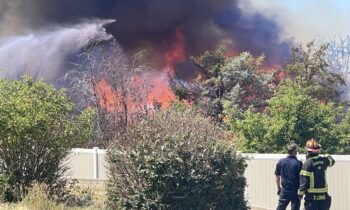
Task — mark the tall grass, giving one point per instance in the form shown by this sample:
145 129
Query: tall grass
37 199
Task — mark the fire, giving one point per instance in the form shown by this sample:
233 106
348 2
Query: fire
156 83
111 99
231 53
176 53
159 90
155 91
105 95
278 73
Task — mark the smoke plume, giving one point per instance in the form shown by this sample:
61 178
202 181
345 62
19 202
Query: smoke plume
44 54
304 20
145 24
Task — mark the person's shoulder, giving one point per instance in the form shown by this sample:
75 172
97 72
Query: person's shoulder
321 158
308 161
283 160
293 159
299 161
326 157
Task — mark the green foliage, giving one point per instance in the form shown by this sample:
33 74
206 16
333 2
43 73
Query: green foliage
38 127
5 188
175 160
344 134
292 116
221 79
309 68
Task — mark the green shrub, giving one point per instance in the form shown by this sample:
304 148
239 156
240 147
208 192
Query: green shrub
5 187
175 160
292 116
38 128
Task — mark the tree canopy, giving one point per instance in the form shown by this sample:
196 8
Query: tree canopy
292 116
38 127
221 79
310 68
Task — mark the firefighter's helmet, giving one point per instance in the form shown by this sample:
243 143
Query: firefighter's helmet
313 146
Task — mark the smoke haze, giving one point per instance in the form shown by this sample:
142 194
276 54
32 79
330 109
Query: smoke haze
44 54
304 21
148 24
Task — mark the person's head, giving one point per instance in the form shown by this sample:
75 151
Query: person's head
312 146
293 149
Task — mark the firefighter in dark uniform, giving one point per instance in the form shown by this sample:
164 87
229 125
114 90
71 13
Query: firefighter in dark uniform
287 179
313 183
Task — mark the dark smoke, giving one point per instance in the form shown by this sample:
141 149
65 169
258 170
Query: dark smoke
255 33
151 24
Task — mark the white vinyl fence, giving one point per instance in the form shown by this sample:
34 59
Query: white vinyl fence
261 190
89 165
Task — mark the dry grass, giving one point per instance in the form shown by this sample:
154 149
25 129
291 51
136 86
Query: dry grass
37 200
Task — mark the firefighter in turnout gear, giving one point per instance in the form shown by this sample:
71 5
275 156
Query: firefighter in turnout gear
313 183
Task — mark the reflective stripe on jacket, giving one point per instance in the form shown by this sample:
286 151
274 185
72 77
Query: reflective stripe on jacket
313 179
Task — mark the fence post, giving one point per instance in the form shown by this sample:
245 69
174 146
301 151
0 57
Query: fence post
95 149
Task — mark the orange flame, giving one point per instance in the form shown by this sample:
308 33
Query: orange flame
176 53
104 95
160 91
157 91
111 99
231 53
157 84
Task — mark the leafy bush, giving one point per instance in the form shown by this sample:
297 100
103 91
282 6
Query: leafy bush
292 116
343 133
38 128
5 187
175 160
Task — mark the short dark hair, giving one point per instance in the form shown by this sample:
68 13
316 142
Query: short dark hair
292 148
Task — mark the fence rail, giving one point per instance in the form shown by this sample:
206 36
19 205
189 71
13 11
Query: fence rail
90 164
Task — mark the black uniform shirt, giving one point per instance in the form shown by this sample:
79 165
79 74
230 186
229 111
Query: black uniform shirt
289 169
313 177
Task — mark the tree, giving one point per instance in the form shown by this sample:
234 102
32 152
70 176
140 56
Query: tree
343 134
222 78
38 128
338 57
293 116
175 160
309 67
111 84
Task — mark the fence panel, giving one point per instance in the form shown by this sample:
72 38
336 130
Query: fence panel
90 164
87 164
261 190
